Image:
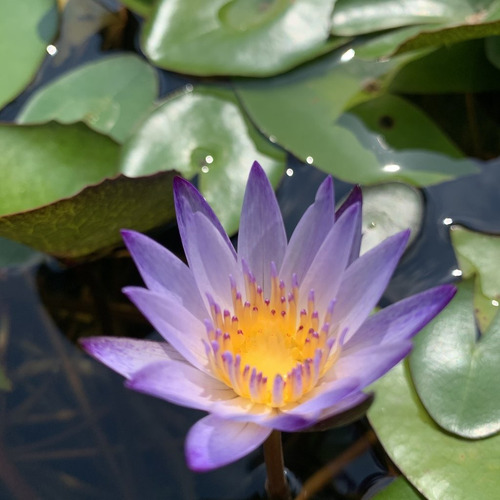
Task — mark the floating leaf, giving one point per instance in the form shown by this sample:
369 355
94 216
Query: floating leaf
492 45
236 37
111 96
413 166
26 28
404 126
437 463
355 17
61 191
204 133
387 43
399 489
301 111
457 375
439 22
478 253
462 67
388 209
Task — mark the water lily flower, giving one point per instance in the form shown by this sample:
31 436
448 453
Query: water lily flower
276 335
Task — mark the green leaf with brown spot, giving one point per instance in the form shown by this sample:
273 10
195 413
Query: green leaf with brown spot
62 192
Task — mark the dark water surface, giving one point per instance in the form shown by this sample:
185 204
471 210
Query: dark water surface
70 430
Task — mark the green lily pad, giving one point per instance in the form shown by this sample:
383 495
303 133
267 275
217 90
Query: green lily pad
439 22
459 68
111 96
399 489
356 17
449 35
301 112
478 253
485 309
456 375
26 28
440 465
236 37
492 45
387 210
418 167
387 43
404 126
62 192
204 132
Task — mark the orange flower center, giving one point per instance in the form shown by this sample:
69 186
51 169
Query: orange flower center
265 349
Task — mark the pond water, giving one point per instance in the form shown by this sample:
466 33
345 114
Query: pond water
68 427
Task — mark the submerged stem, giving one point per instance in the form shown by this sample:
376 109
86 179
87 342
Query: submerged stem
277 484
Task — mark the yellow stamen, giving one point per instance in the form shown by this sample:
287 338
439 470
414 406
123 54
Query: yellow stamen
264 349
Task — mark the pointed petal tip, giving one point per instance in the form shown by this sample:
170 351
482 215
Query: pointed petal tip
130 291
355 196
325 189
257 166
257 173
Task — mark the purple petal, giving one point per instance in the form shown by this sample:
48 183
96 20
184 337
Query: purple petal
181 384
174 323
325 274
211 261
309 234
323 396
127 356
188 201
262 237
364 283
370 364
162 271
401 320
355 196
213 442
243 410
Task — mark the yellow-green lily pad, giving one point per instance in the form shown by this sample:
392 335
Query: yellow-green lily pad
399 489
26 28
478 253
456 374
111 96
302 112
62 191
432 23
440 465
236 37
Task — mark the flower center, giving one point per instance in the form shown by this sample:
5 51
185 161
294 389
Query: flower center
267 350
